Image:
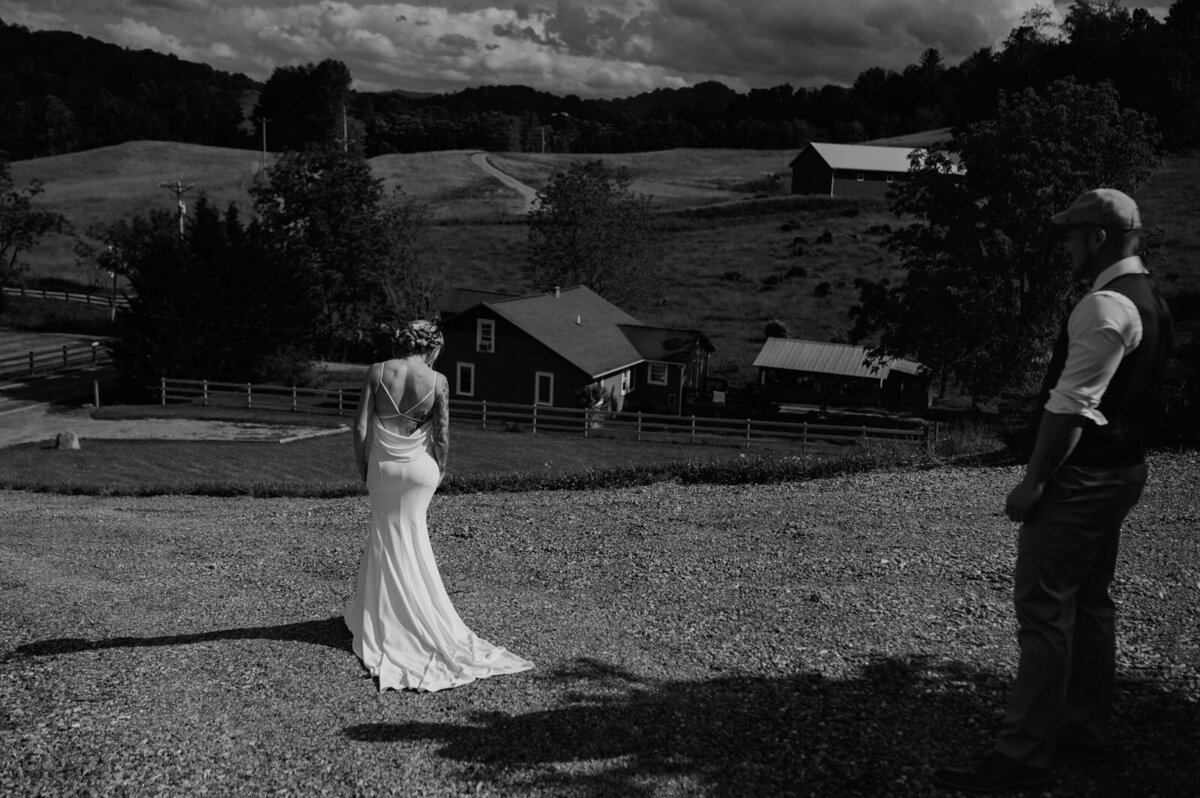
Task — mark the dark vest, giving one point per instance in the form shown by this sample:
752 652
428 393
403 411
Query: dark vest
1130 401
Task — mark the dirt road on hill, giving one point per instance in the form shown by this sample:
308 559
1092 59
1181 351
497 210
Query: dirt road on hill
528 193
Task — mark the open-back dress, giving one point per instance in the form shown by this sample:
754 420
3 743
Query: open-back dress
406 631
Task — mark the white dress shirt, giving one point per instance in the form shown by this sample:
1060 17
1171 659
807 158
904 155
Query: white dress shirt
1103 328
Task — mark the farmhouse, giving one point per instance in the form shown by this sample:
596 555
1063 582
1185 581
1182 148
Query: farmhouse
858 171
570 348
821 373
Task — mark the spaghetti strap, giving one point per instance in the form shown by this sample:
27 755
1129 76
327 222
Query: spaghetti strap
416 403
418 420
388 394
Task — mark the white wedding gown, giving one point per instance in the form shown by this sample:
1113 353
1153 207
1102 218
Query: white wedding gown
406 631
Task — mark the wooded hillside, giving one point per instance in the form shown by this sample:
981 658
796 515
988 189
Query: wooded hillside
60 93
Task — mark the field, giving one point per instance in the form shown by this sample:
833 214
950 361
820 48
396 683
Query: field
834 637
728 273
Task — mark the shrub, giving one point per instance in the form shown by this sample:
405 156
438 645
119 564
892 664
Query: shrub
776 329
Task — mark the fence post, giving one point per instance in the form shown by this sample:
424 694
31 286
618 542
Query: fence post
587 415
95 357
535 419
483 418
249 397
205 389
96 392
293 398
163 387
747 433
639 428
693 428
804 439
339 401
64 356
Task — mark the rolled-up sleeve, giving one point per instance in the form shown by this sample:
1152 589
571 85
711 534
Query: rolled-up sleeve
1103 327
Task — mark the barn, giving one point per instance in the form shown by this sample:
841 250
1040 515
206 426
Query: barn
559 347
857 171
813 372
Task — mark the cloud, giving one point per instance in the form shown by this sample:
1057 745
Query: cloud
141 36
587 47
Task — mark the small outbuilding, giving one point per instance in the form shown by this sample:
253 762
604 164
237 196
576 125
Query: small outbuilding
857 171
812 372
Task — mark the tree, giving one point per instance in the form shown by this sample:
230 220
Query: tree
22 224
218 303
306 105
355 249
985 280
587 227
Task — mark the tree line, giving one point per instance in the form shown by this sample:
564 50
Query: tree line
61 92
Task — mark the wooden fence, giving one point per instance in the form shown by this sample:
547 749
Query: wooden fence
47 361
86 297
319 401
538 419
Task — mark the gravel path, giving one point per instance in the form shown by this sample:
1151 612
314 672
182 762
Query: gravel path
836 637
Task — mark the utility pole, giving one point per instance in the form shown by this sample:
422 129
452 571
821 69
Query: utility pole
178 189
263 119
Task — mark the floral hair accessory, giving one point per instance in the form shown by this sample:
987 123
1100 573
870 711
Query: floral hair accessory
419 336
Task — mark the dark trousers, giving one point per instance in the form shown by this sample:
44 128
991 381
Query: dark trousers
1066 557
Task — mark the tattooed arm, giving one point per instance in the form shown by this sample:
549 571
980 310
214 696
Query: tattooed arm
439 439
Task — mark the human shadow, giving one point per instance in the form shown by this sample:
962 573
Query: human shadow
331 632
881 732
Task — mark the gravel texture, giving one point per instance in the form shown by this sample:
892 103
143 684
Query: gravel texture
839 637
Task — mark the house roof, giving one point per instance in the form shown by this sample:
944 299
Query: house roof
822 358
458 299
577 324
666 344
861 157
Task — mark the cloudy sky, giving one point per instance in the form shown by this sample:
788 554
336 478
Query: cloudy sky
593 48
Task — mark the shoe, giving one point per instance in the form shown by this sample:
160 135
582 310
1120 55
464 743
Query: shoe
994 773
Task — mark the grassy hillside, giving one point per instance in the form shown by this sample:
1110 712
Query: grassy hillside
729 272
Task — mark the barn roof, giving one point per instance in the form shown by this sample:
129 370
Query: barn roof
458 299
666 344
577 324
861 157
842 360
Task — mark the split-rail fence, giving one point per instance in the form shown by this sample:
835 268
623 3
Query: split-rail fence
539 419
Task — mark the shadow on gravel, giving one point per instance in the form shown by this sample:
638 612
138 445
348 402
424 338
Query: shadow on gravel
331 632
880 733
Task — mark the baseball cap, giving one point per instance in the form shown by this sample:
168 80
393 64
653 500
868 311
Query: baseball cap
1103 207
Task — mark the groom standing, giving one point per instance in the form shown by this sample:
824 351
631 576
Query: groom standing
1086 472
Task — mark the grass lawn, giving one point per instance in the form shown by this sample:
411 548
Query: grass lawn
323 465
836 637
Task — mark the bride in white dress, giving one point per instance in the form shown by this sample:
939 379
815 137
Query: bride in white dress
406 631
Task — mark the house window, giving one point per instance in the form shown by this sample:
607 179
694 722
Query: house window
543 388
465 384
626 381
485 335
861 177
657 374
